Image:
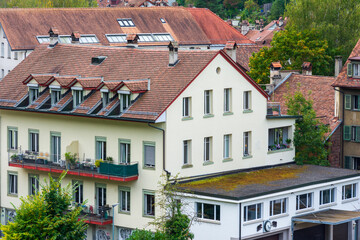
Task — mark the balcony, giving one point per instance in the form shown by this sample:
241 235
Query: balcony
97 216
273 109
82 167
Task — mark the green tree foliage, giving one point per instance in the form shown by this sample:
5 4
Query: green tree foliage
337 21
291 48
277 9
47 215
147 235
48 3
310 134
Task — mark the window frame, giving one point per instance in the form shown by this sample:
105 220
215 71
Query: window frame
186 151
186 107
58 147
127 142
332 196
283 206
78 97
9 51
227 100
78 196
2 50
208 108
33 94
247 105
309 204
258 211
147 193
207 149
149 144
15 191
126 22
100 148
125 101
32 190
55 96
353 191
13 138
203 216
35 133
127 205
247 144
227 149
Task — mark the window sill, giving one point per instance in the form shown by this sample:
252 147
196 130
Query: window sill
12 195
253 221
123 212
13 150
280 150
304 210
349 200
227 160
327 205
148 216
208 221
148 168
248 111
228 113
187 166
186 118
208 163
278 216
208 116
246 157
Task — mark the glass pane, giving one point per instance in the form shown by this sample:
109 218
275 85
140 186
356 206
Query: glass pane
199 210
251 212
209 211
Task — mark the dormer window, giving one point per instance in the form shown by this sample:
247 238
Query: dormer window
105 98
126 22
356 69
55 96
33 94
78 97
353 68
125 99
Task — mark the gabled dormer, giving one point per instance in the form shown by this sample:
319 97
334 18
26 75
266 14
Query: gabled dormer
130 90
353 68
36 83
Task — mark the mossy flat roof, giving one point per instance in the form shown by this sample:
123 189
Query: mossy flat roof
248 184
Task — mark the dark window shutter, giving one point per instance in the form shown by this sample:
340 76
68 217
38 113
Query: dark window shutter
347 162
347 133
347 101
349 69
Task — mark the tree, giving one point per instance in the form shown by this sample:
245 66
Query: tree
277 9
337 21
291 48
48 3
47 215
310 134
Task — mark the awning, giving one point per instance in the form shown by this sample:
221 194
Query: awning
329 217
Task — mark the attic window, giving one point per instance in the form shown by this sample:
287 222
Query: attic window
97 60
55 96
162 20
43 39
65 39
33 94
78 97
116 38
163 37
127 22
125 99
88 39
146 38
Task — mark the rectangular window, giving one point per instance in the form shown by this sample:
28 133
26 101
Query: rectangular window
126 22
252 212
347 101
55 143
2 73
78 97
33 94
9 52
327 196
105 98
149 203
207 149
186 107
149 154
78 187
247 144
100 148
125 100
278 206
227 100
278 138
33 184
55 96
186 152
124 196
349 191
247 100
16 55
207 102
208 211
2 50
124 146
227 146
356 69
34 141
12 183
355 102
304 201
12 138
100 196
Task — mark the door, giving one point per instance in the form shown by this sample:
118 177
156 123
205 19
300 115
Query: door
55 148
100 197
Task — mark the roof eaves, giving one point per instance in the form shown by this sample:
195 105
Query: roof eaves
283 116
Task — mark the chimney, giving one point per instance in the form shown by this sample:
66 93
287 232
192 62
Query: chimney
244 27
306 68
173 53
230 49
132 40
275 76
75 37
54 36
338 65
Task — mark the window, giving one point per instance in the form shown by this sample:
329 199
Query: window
186 152
278 138
105 98
207 102
247 100
116 38
55 96
252 212
43 39
126 22
349 191
33 94
208 211
247 144
124 151
12 138
64 39
149 203
124 195
352 133
327 196
227 146
149 154
278 206
125 100
227 100
13 183
304 201
9 52
356 69
355 102
88 39
77 97
78 191
34 140
2 73
146 38
2 50
163 37
207 149
55 143
16 55
100 196
100 148
186 107
352 162
33 184
162 20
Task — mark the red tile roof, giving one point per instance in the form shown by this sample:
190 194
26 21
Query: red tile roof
276 64
243 54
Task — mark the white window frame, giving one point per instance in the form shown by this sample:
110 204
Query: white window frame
187 152
33 141
2 73
146 162
199 206
124 200
149 210
227 100
2 50
9 52
33 94
283 206
186 107
353 190
356 69
207 149
12 138
208 102
78 191
247 100
33 184
125 151
126 22
12 183
100 151
332 194
125 101
227 146
309 201
247 144
78 97
258 212
55 96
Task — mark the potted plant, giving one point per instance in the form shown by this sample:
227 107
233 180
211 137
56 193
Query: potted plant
288 142
14 157
109 159
70 159
97 164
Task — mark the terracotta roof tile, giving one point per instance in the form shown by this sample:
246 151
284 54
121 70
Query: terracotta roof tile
40 99
137 86
89 83
243 54
276 64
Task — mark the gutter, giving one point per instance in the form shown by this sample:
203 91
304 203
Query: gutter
332 132
343 122
168 174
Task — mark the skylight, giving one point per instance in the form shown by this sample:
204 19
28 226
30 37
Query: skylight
43 39
146 38
64 39
163 37
126 22
162 20
116 38
88 39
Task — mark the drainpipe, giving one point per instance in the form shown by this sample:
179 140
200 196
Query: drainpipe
168 174
240 221
343 122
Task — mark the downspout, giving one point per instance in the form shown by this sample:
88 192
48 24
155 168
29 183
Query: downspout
168 174
343 122
239 221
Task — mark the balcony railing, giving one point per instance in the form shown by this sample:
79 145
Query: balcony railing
82 167
96 215
273 109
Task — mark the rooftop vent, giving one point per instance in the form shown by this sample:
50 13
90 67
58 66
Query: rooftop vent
97 60
54 36
173 53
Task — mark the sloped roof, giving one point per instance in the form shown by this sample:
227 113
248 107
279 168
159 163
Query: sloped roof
243 54
186 25
265 35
